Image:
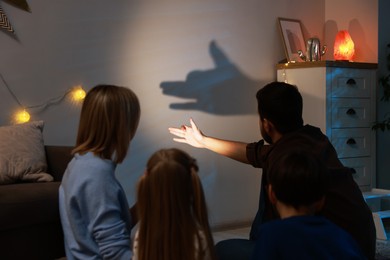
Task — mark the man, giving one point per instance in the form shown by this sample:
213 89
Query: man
281 125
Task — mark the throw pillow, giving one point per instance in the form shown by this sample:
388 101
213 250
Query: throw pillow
22 154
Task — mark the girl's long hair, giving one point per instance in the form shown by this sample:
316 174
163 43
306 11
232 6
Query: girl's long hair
172 210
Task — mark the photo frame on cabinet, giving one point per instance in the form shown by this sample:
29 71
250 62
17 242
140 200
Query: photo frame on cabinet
292 35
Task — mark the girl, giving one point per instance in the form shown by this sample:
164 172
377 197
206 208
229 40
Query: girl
173 222
93 207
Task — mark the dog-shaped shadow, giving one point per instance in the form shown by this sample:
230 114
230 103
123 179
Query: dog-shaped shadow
223 90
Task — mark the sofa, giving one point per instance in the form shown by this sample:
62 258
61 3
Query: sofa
30 226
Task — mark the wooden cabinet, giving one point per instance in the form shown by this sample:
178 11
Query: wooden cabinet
339 97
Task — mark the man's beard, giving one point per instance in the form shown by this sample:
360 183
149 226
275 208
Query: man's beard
265 136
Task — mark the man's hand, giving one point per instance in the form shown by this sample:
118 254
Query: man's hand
188 134
193 136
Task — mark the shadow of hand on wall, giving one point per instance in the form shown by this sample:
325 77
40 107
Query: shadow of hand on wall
223 90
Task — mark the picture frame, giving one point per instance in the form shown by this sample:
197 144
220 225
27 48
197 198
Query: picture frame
292 35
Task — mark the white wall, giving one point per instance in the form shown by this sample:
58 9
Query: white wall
210 56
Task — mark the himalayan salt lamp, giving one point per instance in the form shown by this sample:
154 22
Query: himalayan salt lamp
344 48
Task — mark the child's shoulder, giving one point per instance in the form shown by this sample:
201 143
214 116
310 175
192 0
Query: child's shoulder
296 223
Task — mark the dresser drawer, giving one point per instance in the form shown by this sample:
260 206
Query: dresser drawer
347 112
351 82
352 142
362 168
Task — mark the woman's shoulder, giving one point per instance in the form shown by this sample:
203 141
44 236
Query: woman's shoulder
90 163
88 169
90 158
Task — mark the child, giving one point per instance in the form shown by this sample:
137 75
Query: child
173 222
297 185
93 207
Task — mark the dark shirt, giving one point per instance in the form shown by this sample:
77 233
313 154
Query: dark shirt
344 204
305 237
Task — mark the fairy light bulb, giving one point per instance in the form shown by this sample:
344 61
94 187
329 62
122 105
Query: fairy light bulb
78 94
22 117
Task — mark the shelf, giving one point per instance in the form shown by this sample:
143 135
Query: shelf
327 63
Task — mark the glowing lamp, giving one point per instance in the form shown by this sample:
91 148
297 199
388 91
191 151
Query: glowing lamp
22 117
344 48
78 94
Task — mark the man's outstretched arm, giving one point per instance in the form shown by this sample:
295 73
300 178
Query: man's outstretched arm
192 135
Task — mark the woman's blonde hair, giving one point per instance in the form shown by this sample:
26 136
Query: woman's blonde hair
172 210
108 122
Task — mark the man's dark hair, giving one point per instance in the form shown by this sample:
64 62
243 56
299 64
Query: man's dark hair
298 178
281 103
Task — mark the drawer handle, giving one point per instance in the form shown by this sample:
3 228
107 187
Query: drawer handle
351 82
351 141
353 171
351 112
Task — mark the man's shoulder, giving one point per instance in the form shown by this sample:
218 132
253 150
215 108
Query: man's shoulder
312 130
308 138
307 134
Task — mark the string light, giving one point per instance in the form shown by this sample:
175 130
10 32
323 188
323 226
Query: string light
77 94
284 74
22 117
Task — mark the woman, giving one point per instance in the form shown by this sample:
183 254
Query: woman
93 206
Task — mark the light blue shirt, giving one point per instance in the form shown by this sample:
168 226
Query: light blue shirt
94 210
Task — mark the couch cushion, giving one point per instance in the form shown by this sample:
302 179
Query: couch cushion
26 204
22 154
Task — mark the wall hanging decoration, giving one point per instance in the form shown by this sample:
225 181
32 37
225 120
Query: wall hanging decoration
4 22
21 4
291 31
